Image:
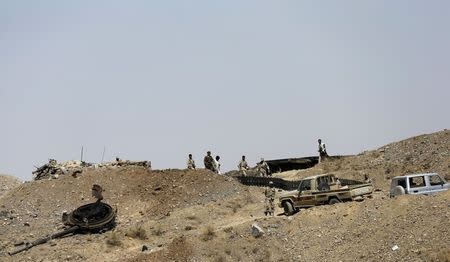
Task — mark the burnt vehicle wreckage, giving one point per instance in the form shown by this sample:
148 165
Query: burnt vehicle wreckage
90 218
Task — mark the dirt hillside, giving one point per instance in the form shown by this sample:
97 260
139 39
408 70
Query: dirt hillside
7 183
424 153
180 215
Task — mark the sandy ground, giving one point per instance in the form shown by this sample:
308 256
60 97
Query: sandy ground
182 215
7 183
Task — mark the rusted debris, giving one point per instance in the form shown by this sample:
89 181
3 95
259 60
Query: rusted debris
93 217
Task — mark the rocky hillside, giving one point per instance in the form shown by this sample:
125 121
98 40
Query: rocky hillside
7 183
181 215
424 153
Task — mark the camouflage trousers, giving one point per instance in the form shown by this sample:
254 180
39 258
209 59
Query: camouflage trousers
270 206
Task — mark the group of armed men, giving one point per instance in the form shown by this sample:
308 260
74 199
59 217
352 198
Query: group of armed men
213 164
262 167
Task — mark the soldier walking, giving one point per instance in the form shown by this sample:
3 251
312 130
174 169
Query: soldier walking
263 168
243 166
190 162
269 192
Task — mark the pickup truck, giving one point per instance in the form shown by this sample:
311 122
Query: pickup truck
323 189
425 184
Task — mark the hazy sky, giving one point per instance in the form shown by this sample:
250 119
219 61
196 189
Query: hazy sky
156 80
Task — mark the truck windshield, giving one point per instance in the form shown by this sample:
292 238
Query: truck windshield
305 185
436 180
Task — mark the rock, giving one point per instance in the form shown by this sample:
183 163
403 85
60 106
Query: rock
257 231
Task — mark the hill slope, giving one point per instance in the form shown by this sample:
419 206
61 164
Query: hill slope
7 183
182 215
424 153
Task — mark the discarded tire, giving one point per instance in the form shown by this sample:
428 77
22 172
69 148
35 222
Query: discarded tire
398 191
93 217
334 201
288 208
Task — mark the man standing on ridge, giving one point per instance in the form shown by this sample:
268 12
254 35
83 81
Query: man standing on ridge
263 168
209 162
217 165
322 150
190 162
243 166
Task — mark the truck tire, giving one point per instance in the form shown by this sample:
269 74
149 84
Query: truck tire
288 208
333 201
398 191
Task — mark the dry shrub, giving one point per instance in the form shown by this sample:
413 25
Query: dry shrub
157 231
192 217
228 229
235 207
113 240
249 198
208 234
267 255
441 255
227 250
220 258
137 232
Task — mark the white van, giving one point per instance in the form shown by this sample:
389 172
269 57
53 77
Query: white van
425 184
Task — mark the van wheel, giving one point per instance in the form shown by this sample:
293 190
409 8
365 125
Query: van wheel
398 191
334 201
288 208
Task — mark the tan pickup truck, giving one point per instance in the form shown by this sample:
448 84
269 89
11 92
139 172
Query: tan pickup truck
323 189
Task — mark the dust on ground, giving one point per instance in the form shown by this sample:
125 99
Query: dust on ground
181 215
7 183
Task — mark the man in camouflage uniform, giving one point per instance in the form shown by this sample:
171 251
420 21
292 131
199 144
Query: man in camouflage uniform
263 168
243 166
190 162
209 162
269 192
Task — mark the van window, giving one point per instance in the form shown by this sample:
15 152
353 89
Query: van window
418 181
401 182
435 180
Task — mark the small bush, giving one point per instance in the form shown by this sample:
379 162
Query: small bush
209 234
220 258
158 231
192 217
234 206
267 256
137 232
228 229
113 240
